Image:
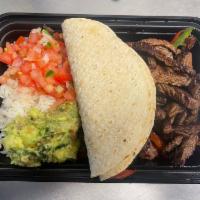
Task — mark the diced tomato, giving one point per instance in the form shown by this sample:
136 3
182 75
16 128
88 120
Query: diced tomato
23 51
20 40
26 67
51 80
70 95
54 57
34 37
6 58
16 47
33 55
56 35
26 80
37 77
32 59
62 76
17 62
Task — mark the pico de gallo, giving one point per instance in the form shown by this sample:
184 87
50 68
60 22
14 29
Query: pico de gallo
39 61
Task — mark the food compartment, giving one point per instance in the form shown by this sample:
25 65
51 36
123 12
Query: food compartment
129 30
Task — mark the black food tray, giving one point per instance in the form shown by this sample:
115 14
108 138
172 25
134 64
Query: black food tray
128 28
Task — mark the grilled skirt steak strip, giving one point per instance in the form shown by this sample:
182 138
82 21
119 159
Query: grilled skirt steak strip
173 144
180 118
161 53
186 149
167 76
178 95
149 152
160 114
161 101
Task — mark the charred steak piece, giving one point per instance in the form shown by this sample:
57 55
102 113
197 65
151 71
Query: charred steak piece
160 52
168 76
178 95
185 59
180 118
167 125
173 109
192 129
184 70
192 117
151 61
194 87
159 42
190 42
160 114
161 101
149 152
173 144
186 149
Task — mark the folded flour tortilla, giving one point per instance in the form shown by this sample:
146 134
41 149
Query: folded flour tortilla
115 93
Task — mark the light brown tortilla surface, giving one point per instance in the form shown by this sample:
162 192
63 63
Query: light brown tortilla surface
115 93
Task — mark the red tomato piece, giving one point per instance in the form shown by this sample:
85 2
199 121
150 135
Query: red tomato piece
70 95
20 40
62 76
26 81
34 37
6 58
32 59
26 67
17 62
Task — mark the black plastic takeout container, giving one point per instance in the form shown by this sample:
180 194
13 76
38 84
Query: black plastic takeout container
128 28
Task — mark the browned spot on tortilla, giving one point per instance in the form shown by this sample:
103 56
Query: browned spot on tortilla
126 157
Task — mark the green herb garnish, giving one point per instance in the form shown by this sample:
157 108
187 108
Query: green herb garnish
48 44
49 73
46 32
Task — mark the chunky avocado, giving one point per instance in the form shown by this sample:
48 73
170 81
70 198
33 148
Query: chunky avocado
43 136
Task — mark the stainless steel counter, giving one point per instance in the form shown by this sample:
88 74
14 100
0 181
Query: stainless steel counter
78 191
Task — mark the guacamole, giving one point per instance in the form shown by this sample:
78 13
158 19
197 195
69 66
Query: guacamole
43 136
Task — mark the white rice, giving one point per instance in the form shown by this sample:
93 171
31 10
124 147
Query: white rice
18 100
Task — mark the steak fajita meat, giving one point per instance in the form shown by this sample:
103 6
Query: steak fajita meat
164 51
195 91
173 144
151 61
185 59
186 149
173 109
149 152
184 70
168 76
177 100
160 52
167 125
160 114
161 101
178 95
158 42
194 87
180 118
192 117
190 42
191 129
